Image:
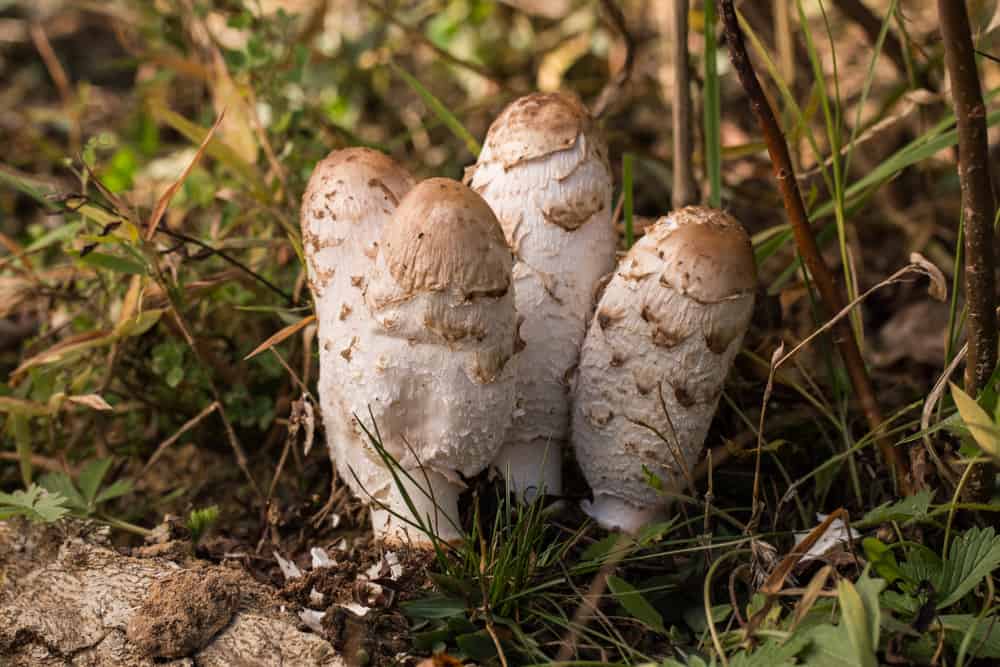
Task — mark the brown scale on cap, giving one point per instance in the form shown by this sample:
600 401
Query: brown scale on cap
445 237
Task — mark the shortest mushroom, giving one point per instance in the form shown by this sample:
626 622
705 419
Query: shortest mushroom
655 359
433 376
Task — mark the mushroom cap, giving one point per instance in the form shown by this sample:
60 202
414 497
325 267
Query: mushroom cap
351 194
353 180
444 236
712 258
536 125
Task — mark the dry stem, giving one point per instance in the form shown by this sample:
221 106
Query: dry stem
978 205
978 209
831 296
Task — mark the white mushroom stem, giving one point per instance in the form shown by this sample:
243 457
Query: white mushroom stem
544 171
656 356
434 368
435 499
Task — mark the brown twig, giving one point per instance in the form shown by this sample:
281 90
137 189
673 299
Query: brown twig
978 205
831 296
614 87
188 425
978 209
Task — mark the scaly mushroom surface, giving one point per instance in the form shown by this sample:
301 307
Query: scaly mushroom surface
435 370
656 356
544 171
350 199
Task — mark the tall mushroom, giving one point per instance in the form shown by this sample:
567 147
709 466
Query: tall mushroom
544 171
350 198
434 371
656 356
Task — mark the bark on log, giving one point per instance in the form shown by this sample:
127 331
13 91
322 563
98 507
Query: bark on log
68 598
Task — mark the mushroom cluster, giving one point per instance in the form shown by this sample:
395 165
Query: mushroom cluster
458 329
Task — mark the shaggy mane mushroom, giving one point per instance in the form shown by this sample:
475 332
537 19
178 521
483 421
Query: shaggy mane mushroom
544 171
656 356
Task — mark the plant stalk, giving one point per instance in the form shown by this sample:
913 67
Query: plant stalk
978 205
685 188
831 296
978 211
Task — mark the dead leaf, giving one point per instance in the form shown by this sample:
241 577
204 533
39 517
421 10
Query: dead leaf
92 401
281 335
165 199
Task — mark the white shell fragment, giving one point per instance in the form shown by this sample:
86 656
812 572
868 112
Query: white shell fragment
544 171
431 372
350 199
652 367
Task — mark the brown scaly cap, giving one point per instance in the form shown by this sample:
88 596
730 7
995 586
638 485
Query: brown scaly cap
708 255
537 125
444 236
347 182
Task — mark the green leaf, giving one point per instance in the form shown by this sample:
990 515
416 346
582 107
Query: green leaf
855 620
101 260
116 490
881 557
829 647
981 427
35 504
869 589
426 641
600 549
477 646
439 109
772 654
57 235
90 478
60 484
201 520
973 555
985 633
907 509
433 607
635 603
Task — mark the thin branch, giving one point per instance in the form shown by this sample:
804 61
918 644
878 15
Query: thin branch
614 87
232 260
978 211
978 205
831 296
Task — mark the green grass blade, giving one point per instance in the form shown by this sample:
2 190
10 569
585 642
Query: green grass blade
440 110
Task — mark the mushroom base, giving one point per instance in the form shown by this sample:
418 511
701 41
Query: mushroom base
613 513
436 505
531 467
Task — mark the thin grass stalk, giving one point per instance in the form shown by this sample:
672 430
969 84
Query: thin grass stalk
712 111
832 299
685 188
